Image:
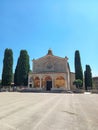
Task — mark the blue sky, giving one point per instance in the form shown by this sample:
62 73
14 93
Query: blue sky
62 25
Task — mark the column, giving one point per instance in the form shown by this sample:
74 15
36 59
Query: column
52 82
66 79
40 81
43 83
33 82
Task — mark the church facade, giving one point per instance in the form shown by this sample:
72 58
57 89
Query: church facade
51 72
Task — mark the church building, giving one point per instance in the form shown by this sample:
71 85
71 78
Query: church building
51 72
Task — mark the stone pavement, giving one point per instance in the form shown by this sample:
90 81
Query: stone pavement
48 111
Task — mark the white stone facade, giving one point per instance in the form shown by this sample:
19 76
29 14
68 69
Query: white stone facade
50 73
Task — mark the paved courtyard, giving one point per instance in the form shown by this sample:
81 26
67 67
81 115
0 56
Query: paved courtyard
48 111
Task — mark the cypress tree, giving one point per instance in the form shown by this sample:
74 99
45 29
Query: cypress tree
78 67
22 69
7 72
88 78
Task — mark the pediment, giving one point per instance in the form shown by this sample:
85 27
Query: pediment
50 63
48 57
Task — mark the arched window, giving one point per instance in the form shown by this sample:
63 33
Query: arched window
59 81
37 82
48 78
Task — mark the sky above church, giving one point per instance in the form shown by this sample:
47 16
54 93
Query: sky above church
62 25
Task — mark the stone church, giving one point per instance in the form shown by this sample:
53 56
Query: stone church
51 72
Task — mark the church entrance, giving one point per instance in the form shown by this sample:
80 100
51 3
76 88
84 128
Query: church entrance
48 85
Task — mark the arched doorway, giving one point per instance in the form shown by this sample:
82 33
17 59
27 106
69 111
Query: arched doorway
48 80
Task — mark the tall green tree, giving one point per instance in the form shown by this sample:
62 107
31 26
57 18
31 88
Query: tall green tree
78 67
7 72
22 69
88 78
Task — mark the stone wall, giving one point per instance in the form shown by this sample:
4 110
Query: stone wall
50 64
72 79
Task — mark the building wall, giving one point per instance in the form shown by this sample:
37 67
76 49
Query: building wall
95 82
72 77
50 64
59 80
50 68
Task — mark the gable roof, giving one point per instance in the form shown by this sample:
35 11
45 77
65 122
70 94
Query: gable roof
50 54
